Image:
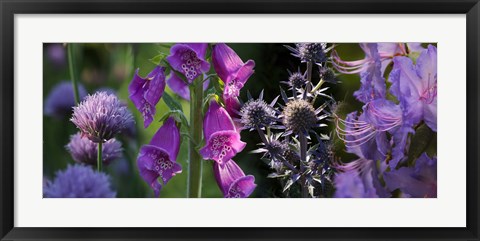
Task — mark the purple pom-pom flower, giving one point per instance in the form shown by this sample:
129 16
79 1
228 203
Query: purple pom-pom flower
79 181
418 182
223 140
146 92
83 150
56 54
101 116
159 157
233 72
416 87
60 100
232 181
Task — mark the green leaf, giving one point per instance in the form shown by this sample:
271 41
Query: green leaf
218 84
171 102
158 59
422 139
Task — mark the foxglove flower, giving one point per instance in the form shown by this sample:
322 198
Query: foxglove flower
310 52
416 87
101 116
232 181
146 92
79 181
158 159
358 179
418 182
189 59
222 139
84 150
60 100
386 52
233 72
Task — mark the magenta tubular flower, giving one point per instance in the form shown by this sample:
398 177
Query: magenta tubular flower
101 116
84 150
415 86
232 181
386 52
159 157
222 139
60 100
234 73
181 88
418 182
146 92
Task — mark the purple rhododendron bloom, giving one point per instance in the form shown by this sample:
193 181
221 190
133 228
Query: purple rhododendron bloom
189 59
146 92
101 116
233 72
223 140
418 182
415 86
60 100
232 181
79 181
159 157
386 52
358 179
180 87
83 150
373 84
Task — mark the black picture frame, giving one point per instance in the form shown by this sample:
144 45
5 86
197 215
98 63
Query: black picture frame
10 7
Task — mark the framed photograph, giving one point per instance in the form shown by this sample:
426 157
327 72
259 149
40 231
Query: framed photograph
201 120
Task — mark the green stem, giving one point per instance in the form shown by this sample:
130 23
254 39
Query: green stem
71 66
195 163
99 157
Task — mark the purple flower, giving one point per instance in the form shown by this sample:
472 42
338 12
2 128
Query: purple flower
180 87
233 72
189 59
373 84
223 140
84 150
60 100
386 52
146 92
418 182
415 86
232 181
159 157
101 116
358 179
79 181
56 54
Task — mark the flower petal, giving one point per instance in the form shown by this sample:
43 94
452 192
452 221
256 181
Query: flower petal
189 59
242 187
226 174
168 138
216 119
179 86
222 146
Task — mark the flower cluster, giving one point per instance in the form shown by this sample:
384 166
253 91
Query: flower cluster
381 133
290 141
85 151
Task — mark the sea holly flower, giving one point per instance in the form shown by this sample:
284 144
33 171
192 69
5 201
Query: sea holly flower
189 59
415 86
232 181
418 182
310 52
222 139
158 159
60 100
299 116
386 52
233 72
101 116
146 92
358 179
79 181
84 150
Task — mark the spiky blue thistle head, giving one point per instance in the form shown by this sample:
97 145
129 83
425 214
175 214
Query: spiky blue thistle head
327 74
310 52
297 80
257 114
299 116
